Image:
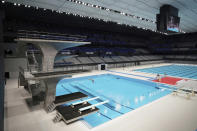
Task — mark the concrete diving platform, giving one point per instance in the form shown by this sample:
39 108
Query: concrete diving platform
70 114
50 49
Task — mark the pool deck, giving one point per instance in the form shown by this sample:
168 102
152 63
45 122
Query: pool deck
169 113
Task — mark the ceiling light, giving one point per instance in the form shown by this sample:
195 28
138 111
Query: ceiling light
113 11
3 1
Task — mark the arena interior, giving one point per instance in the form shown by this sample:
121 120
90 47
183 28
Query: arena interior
99 65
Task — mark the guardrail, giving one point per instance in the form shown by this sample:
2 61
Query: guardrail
49 36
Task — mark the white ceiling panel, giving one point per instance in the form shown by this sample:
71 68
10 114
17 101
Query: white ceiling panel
142 8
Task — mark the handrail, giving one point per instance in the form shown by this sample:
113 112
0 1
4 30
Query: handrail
93 106
104 96
35 34
90 94
73 104
48 33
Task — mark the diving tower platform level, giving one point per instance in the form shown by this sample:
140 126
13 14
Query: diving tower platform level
49 49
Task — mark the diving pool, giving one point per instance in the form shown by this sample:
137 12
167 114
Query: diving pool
124 94
185 71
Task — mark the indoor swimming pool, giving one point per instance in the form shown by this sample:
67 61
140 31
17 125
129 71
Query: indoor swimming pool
185 71
122 93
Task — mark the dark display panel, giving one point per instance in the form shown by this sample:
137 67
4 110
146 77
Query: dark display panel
168 20
173 23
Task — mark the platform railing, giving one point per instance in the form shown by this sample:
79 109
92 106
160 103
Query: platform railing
49 36
32 67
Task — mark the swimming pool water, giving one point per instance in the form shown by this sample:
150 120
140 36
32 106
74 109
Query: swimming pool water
124 94
186 71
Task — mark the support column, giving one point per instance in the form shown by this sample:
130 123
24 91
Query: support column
2 79
50 86
49 53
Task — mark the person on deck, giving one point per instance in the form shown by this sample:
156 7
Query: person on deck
158 78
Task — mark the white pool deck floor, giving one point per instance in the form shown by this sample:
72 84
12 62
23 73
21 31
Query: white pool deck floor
169 113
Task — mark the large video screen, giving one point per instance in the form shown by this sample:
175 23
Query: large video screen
173 23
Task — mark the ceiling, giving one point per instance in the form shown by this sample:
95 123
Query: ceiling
141 13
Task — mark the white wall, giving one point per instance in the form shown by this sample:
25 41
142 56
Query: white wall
12 65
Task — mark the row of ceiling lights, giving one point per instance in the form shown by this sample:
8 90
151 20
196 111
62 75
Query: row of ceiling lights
122 13
111 10
87 4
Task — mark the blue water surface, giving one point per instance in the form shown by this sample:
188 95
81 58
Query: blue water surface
185 71
124 94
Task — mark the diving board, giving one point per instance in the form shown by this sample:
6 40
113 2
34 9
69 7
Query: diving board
59 100
70 114
63 99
